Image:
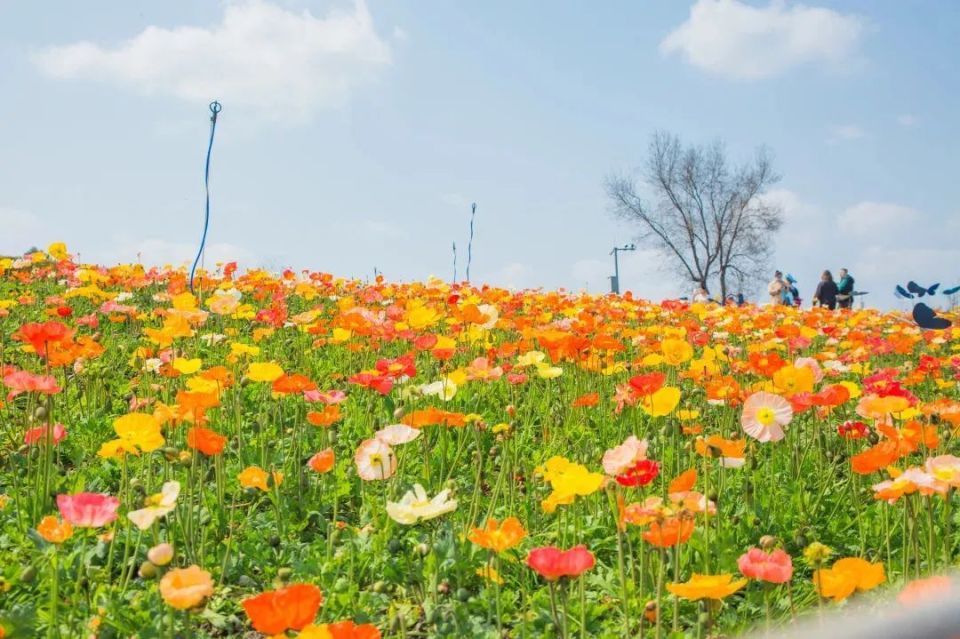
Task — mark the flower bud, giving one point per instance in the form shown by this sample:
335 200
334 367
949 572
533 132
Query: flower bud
161 554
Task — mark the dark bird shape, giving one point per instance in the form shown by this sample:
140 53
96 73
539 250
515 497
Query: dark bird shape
920 291
902 293
951 291
925 317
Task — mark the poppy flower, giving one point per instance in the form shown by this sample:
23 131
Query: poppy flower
40 336
264 371
684 482
847 576
662 402
294 383
327 417
669 532
54 530
290 608
256 477
156 506
185 588
551 563
38 435
774 567
140 430
647 383
853 430
398 434
587 400
161 554
618 459
88 510
417 506
207 441
25 382
707 587
323 461
676 351
498 537
374 459
640 474
764 416
875 458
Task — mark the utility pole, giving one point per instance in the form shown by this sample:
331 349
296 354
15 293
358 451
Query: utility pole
615 278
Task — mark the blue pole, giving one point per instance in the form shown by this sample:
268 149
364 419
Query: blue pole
215 108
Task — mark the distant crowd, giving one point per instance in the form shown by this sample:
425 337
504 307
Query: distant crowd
783 290
829 294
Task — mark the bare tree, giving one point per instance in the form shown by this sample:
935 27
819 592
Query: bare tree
706 217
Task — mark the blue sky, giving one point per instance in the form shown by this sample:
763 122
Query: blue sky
356 136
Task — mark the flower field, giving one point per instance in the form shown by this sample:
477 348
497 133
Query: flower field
299 455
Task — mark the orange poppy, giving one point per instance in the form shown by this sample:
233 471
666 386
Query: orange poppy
323 461
875 458
669 532
207 441
498 538
590 399
289 608
327 417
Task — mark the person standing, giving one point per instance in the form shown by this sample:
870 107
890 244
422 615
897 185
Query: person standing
826 294
776 288
845 289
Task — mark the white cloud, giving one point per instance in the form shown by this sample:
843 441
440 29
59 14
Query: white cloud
908 120
736 40
846 132
260 57
877 221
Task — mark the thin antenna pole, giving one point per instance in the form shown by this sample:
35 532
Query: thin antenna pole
454 262
215 108
473 214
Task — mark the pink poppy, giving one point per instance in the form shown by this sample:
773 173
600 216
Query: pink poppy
551 563
775 567
88 510
375 460
327 397
39 434
764 416
619 459
25 382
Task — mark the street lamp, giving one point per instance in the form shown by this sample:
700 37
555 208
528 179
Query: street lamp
615 278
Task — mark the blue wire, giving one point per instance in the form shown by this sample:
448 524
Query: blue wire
215 108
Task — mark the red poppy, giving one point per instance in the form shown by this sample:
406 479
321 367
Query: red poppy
289 608
648 383
853 430
640 474
39 336
551 563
